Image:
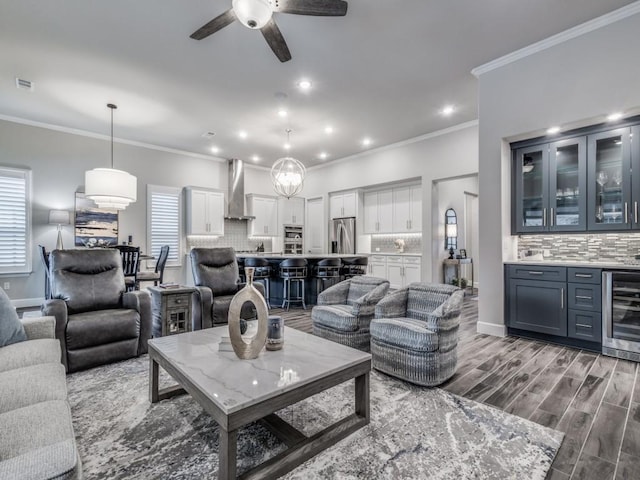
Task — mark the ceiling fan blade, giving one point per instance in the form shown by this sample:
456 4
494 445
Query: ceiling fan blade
274 38
214 25
329 8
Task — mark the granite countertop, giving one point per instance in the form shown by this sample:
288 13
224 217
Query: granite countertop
569 263
304 255
395 254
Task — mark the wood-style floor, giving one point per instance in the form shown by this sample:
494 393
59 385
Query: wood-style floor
593 399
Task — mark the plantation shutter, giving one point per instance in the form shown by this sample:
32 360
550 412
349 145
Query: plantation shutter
164 222
14 221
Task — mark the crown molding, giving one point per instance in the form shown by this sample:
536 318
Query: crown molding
578 30
100 136
409 141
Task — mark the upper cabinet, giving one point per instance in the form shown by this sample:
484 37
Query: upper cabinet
407 209
291 211
205 211
378 212
266 212
343 205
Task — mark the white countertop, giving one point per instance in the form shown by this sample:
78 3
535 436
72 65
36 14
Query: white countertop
569 263
322 255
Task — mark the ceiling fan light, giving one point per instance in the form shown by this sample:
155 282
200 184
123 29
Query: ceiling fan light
253 14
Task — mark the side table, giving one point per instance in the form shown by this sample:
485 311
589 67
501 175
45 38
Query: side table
456 264
171 308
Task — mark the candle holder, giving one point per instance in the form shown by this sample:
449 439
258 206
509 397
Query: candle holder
275 333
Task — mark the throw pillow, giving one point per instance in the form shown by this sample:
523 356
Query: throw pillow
11 329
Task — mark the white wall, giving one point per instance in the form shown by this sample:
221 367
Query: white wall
577 82
441 155
58 161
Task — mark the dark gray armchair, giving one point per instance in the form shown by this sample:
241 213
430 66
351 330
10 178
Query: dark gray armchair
217 279
97 322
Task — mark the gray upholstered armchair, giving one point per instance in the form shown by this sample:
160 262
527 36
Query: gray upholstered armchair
97 322
344 311
217 280
414 335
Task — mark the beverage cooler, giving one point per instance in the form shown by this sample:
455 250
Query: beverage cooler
292 242
621 314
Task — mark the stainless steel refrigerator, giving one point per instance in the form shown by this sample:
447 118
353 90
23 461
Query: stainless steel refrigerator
343 235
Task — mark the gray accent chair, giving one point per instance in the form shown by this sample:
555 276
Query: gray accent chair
217 280
344 311
97 322
414 335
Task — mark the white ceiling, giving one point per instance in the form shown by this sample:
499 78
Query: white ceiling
383 71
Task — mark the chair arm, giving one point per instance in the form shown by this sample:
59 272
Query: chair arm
366 304
202 308
394 305
58 309
335 295
141 302
447 315
39 327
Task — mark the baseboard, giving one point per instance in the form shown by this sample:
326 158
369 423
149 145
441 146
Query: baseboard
27 302
492 329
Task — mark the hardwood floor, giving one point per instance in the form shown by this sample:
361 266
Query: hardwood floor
593 399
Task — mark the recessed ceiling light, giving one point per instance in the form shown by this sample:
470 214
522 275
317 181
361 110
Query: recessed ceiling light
304 84
447 110
553 130
282 113
215 149
614 116
323 155
328 129
287 146
366 142
255 158
242 134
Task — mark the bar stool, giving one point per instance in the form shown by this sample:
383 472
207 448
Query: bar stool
327 271
354 266
293 270
262 273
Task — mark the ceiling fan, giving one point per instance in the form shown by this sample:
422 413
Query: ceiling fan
257 15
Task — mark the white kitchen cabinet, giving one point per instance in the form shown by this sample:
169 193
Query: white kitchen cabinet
291 211
205 211
343 205
265 209
407 209
411 270
378 266
398 269
378 212
394 271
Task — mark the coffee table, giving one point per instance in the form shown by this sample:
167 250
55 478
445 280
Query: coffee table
237 392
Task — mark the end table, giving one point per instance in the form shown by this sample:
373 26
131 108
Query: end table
171 308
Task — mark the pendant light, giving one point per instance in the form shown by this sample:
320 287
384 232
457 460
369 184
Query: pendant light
110 188
287 175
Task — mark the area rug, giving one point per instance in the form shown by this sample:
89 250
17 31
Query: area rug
415 433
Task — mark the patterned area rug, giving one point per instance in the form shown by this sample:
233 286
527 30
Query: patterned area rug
414 433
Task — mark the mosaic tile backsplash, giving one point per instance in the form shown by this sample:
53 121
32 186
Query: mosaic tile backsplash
235 235
412 243
607 247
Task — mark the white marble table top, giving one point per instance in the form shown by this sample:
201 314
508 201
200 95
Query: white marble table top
233 384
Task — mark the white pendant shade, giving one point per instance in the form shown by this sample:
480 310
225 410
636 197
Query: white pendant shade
287 175
110 188
252 13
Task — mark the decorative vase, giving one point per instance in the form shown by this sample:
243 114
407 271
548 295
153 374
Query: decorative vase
275 333
248 350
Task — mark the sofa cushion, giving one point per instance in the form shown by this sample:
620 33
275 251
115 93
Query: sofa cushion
101 327
336 317
25 386
11 330
404 333
38 438
33 352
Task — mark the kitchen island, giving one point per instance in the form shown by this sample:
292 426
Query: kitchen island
277 283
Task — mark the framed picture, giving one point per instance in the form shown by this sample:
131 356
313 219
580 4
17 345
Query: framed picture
94 227
463 253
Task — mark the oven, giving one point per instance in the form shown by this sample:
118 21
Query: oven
621 314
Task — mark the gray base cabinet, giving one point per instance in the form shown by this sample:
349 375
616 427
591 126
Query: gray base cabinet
538 306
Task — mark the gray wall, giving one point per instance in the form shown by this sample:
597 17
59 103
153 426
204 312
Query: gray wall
58 161
577 82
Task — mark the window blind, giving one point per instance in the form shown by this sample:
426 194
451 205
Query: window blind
164 222
14 221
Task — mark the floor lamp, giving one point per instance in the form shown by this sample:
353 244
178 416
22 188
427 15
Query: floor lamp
59 217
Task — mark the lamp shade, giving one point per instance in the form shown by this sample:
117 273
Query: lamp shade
451 230
110 188
59 217
287 175
252 13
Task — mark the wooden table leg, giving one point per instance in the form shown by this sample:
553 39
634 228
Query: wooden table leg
153 381
362 397
227 454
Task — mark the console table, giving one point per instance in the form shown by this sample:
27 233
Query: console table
457 264
171 308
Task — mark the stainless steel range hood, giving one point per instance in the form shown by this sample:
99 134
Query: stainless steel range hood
235 209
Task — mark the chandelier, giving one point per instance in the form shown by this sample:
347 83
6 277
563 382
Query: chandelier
108 187
287 175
